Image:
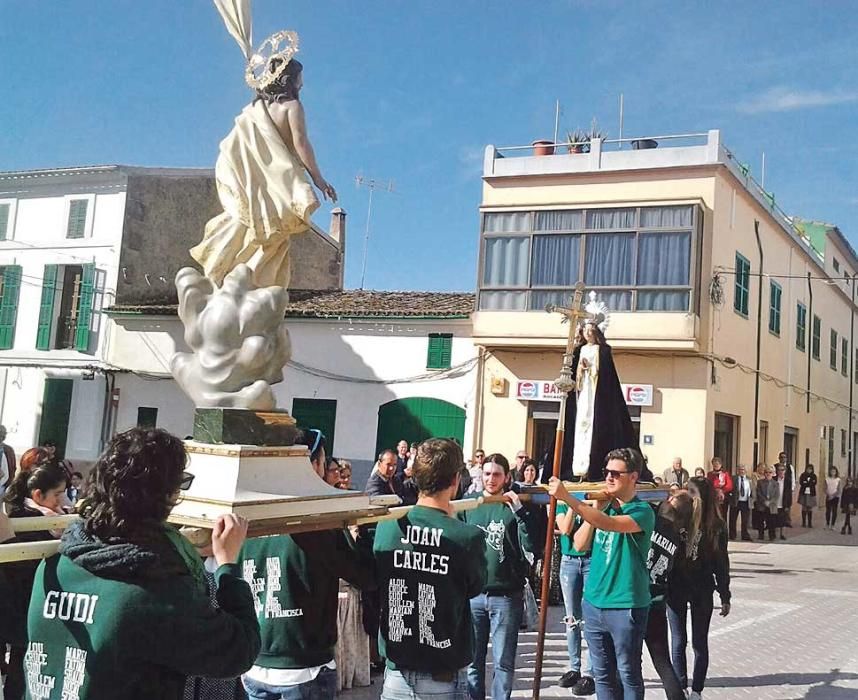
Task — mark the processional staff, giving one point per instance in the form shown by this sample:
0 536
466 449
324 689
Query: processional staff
564 384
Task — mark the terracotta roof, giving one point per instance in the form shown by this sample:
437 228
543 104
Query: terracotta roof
354 303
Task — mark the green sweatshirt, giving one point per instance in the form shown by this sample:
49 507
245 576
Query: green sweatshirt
128 620
429 567
506 539
295 582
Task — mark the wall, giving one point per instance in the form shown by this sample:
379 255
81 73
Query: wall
372 350
166 216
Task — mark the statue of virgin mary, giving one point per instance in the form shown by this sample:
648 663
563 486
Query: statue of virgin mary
597 418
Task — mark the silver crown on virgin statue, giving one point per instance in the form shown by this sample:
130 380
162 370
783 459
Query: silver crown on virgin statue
269 61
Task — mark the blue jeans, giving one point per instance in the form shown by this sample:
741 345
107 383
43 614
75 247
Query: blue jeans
701 605
615 641
419 685
322 687
498 616
573 573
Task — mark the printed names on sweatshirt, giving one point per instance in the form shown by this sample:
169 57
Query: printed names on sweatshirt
41 685
268 586
401 603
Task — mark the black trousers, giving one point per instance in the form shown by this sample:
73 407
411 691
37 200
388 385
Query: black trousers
831 510
743 510
659 651
767 521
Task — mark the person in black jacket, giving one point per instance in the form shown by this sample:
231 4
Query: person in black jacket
673 529
807 495
848 503
704 569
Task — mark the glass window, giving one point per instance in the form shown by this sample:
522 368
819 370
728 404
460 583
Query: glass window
666 217
664 259
801 326
662 300
816 339
4 220
844 357
540 299
742 289
503 301
836 264
507 261
562 220
832 352
609 259
775 293
555 261
611 218
615 300
505 222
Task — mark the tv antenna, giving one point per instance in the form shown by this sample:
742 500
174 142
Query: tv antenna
372 185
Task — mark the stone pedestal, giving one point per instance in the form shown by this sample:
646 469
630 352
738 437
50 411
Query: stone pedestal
228 426
271 486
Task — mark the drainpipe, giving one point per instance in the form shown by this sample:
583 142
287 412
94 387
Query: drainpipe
759 342
851 378
810 349
480 401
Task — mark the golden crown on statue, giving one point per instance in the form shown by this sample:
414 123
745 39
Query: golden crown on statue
263 67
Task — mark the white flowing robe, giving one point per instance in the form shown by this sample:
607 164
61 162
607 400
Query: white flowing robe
266 198
587 380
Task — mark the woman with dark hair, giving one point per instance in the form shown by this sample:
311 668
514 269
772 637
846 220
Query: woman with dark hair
807 495
674 527
703 569
35 492
124 605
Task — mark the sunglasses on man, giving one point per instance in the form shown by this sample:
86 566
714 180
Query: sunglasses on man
613 474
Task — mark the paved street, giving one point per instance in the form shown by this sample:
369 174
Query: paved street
792 632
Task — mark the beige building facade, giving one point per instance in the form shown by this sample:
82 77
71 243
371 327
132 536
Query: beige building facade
671 239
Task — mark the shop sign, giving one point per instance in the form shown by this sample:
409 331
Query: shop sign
543 390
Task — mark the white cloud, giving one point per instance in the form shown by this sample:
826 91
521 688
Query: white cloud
783 99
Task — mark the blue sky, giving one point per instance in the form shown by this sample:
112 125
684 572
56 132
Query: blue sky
413 91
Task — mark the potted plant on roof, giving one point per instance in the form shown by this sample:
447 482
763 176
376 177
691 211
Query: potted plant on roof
579 140
543 147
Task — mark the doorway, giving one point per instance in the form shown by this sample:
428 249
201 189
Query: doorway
56 410
726 439
791 444
417 418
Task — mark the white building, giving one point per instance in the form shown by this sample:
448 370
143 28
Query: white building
368 368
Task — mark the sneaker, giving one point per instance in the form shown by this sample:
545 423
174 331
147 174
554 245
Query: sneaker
585 686
694 695
570 678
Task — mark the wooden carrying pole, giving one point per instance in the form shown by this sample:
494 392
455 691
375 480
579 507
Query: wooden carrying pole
549 551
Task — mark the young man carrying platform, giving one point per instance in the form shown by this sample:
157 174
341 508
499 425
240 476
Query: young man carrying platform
616 594
498 609
295 583
430 564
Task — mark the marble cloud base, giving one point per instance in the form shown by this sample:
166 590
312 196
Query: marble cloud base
275 488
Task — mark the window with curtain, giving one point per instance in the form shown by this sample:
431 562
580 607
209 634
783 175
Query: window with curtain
801 326
611 218
506 261
539 299
662 300
503 301
664 259
506 222
609 259
667 217
561 220
615 300
555 261
742 288
775 307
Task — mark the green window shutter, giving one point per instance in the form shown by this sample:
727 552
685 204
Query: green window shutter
84 308
46 310
440 351
742 288
4 221
9 305
77 218
775 308
801 326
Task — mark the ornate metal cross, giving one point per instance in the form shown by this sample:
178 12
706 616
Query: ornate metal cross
573 314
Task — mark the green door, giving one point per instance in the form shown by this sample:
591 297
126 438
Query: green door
317 413
56 409
416 418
